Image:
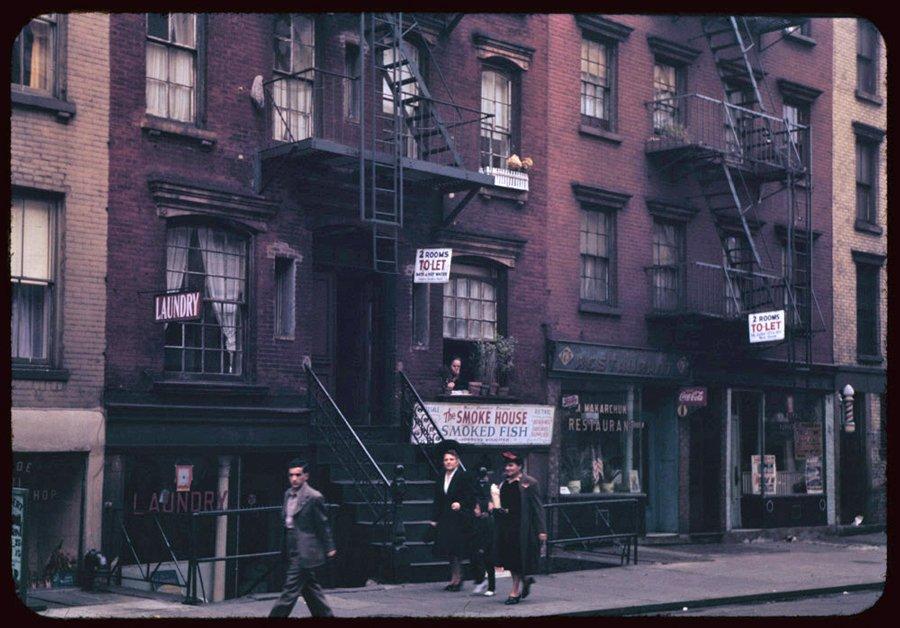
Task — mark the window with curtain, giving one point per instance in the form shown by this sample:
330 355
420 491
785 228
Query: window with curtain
496 131
172 65
596 83
867 335
34 54
294 52
597 250
32 247
397 75
667 82
668 247
796 117
285 291
866 169
351 87
213 261
866 57
470 303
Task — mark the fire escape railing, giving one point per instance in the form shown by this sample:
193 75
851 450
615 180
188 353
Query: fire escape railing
422 428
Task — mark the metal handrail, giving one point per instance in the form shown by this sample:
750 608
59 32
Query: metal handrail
424 422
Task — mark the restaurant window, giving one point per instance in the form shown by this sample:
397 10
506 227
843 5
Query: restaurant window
597 246
285 294
793 441
32 274
294 55
867 324
496 130
866 174
420 314
597 84
601 450
668 110
34 55
172 65
351 82
668 265
866 57
214 262
796 117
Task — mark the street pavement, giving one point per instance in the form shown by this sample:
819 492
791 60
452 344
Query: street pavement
837 604
665 580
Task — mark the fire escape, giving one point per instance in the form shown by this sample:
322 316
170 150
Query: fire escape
744 160
402 140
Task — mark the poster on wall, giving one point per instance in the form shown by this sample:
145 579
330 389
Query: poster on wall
766 326
814 475
184 476
754 474
488 424
807 439
769 474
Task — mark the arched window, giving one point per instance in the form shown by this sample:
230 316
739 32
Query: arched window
214 261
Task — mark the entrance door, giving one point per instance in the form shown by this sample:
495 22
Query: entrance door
322 322
746 441
354 327
662 463
704 470
853 465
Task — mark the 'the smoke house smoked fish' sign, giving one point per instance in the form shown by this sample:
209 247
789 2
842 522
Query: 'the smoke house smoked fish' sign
488 424
178 306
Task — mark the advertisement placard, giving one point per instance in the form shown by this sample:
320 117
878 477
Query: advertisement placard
432 265
766 326
19 560
177 306
814 475
492 424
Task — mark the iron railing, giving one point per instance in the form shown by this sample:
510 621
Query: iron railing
422 428
327 105
741 135
589 522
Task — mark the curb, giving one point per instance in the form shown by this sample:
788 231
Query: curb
780 596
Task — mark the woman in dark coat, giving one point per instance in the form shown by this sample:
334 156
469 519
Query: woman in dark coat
454 502
520 527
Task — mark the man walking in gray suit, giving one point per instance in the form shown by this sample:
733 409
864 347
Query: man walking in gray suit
307 541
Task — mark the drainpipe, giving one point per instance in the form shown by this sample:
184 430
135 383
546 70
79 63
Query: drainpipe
218 588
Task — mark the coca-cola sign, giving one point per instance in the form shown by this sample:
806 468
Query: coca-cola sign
695 396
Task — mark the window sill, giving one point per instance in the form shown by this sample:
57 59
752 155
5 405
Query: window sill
608 136
207 387
800 38
869 359
870 98
44 374
867 227
603 309
154 127
64 110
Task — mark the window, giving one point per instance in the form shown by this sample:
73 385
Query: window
285 291
400 74
496 131
420 314
172 65
351 86
34 55
866 57
295 59
799 282
32 246
804 29
738 259
470 303
738 123
597 251
867 332
597 83
668 261
796 117
866 172
793 440
668 81
213 261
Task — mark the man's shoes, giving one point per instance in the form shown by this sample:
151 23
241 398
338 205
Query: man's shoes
453 587
526 589
489 593
480 588
511 600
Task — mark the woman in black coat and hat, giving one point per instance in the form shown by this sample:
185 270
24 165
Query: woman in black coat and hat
520 527
454 503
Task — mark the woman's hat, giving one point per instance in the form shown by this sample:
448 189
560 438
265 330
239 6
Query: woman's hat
447 446
510 456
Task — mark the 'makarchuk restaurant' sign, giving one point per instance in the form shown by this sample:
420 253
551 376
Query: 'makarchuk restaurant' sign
492 424
178 306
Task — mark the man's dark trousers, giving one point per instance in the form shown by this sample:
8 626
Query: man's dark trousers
300 581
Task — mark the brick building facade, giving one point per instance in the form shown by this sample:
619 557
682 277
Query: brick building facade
59 175
859 171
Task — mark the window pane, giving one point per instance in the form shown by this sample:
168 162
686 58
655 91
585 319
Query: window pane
158 25
183 31
30 321
40 55
15 236
36 241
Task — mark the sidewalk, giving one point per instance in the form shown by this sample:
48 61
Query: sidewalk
689 575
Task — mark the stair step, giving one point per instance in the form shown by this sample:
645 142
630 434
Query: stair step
411 471
435 151
415 489
413 509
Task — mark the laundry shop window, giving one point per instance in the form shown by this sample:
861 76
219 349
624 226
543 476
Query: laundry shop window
602 448
214 261
472 308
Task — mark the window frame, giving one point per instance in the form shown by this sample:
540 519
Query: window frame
610 122
867 56
198 98
52 331
680 250
869 213
489 125
800 248
352 101
676 113
873 319
288 79
485 273
282 333
609 216
802 136
55 59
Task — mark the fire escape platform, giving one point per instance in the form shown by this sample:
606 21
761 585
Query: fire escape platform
319 152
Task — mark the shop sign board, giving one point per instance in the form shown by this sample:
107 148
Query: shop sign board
19 561
184 476
693 396
807 439
583 357
814 475
570 401
491 424
177 306
766 326
432 265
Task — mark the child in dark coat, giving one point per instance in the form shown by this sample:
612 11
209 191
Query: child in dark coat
483 537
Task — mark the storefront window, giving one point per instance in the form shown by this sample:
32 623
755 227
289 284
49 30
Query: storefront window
793 436
601 443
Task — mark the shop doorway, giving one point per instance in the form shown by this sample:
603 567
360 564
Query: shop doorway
662 462
853 465
704 471
746 413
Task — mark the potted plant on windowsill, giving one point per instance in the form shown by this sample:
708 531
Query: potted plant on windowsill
506 349
484 356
